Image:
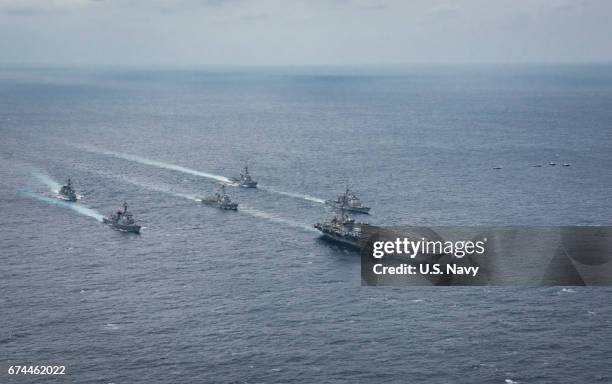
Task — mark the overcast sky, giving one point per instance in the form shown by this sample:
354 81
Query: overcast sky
260 32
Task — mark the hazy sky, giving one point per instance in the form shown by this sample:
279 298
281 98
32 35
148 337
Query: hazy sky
245 32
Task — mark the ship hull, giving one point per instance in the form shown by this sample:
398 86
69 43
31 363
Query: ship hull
67 198
341 240
120 227
220 206
252 184
364 210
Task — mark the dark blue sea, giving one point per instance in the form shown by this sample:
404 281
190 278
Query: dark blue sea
254 296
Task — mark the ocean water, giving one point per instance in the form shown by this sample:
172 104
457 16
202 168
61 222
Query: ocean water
254 296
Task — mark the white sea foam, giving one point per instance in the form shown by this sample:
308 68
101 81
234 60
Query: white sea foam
111 326
47 180
77 207
179 168
273 218
150 186
292 194
241 207
155 163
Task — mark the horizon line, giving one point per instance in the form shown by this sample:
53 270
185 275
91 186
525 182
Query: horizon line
33 65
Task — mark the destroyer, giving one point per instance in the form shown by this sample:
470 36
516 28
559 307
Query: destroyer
341 228
245 180
220 200
122 220
348 201
67 192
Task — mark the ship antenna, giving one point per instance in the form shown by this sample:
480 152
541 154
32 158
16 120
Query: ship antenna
343 209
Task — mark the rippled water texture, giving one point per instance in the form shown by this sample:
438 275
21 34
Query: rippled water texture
204 295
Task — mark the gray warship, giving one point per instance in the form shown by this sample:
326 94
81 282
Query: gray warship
245 180
67 193
122 220
342 229
349 202
220 200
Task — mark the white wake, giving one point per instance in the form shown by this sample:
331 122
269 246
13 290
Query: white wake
190 171
77 207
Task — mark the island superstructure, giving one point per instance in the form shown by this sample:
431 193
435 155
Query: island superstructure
220 199
67 192
349 202
245 180
341 228
122 220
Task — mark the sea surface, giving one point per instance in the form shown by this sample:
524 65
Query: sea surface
254 296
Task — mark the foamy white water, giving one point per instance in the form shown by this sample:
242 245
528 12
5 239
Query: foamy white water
242 208
155 163
47 180
292 194
77 207
146 185
179 168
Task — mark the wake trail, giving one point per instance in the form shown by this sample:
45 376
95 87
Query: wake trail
155 163
77 207
149 186
291 194
190 171
242 208
48 181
